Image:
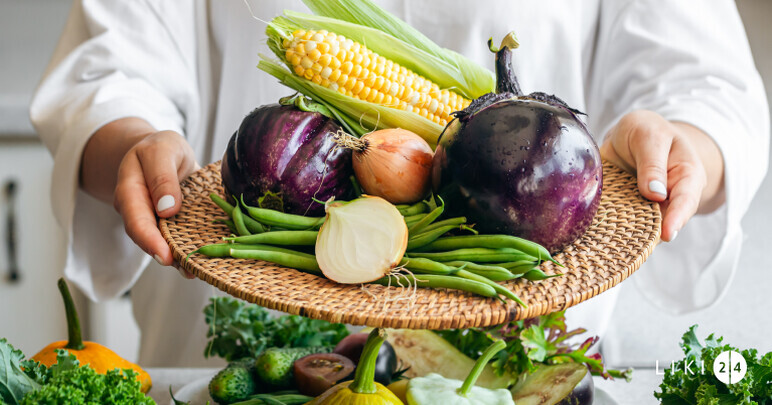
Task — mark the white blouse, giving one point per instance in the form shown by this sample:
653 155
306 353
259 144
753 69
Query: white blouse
190 67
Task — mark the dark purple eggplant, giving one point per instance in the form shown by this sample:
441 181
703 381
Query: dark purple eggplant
562 384
524 165
287 153
385 365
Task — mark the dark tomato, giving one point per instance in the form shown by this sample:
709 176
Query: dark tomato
316 373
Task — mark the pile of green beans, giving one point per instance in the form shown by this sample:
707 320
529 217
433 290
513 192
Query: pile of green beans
434 257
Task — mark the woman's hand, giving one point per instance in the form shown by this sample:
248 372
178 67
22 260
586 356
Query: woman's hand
144 180
677 165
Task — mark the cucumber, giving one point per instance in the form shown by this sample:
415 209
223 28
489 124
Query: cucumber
274 366
232 384
426 352
567 383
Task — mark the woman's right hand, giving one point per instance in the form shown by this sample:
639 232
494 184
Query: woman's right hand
145 179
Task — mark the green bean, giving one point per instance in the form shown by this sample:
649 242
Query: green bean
227 222
492 241
252 225
445 222
287 221
238 221
422 239
499 288
537 274
224 249
434 281
224 205
520 262
276 398
426 266
428 219
287 238
409 210
491 272
477 255
295 260
522 269
414 218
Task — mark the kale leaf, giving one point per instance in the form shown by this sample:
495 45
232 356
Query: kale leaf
238 329
691 381
14 382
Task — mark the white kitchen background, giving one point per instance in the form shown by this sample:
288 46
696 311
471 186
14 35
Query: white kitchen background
31 315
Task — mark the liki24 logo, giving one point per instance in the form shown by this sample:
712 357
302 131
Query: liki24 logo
712 372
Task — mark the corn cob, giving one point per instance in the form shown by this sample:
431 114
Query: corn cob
340 64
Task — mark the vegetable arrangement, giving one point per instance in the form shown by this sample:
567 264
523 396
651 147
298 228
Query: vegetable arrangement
369 240
685 383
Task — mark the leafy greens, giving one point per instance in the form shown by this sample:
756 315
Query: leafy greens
238 330
27 382
691 380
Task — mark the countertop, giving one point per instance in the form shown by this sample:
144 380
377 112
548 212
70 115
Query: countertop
640 391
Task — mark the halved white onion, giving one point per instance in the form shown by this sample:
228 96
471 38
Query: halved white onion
361 240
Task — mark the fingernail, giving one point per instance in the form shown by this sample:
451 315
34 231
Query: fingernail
165 202
673 236
158 260
656 186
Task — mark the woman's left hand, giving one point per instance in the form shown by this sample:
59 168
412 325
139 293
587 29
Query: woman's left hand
677 165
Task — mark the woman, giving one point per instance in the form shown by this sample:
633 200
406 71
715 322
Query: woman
138 94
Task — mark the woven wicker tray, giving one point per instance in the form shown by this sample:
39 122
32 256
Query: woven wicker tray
623 234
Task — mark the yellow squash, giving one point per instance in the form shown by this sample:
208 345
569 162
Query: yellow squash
99 357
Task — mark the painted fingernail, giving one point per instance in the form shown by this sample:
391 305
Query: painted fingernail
165 202
158 260
656 186
673 236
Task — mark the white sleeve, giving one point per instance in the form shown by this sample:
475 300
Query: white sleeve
115 59
690 62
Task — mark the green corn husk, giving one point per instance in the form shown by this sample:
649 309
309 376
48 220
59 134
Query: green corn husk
472 79
383 33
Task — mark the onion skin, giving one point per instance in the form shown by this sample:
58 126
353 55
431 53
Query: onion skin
283 149
396 164
521 167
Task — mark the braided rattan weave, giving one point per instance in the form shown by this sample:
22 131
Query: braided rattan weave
623 234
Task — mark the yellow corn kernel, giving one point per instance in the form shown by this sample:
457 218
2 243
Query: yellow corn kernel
316 67
325 83
299 70
317 79
372 96
334 76
346 67
364 92
308 74
358 87
350 82
335 63
314 55
356 70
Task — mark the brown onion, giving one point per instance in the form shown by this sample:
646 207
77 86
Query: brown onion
391 163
